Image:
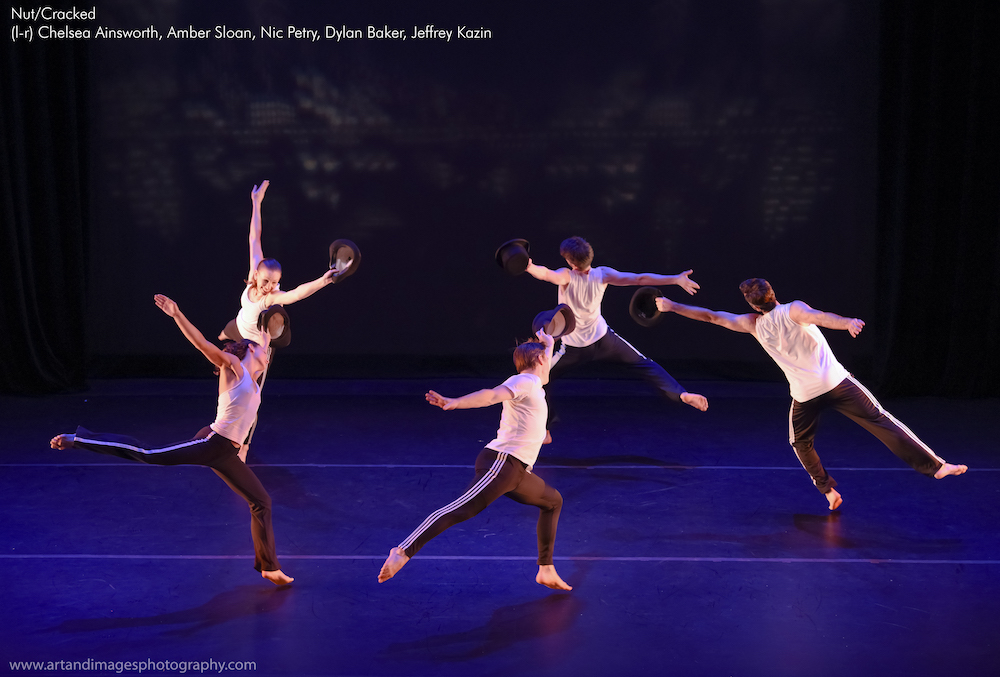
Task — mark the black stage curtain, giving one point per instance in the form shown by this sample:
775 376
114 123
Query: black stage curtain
939 192
43 106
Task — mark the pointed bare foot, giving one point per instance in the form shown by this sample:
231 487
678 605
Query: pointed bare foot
548 577
278 577
393 563
548 438
65 441
242 453
699 402
833 496
950 469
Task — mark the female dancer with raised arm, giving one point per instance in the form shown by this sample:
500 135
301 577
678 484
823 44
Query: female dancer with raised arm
240 364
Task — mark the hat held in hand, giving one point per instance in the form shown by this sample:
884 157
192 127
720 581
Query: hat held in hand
643 308
556 322
345 257
275 321
512 256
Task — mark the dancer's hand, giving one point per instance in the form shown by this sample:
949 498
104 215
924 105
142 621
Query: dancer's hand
547 340
854 326
166 305
257 194
664 305
438 400
686 283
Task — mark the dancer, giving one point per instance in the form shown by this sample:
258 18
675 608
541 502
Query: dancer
216 446
790 334
263 281
261 293
505 465
582 289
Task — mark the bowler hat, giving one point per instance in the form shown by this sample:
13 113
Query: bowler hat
643 308
345 257
512 256
556 322
281 336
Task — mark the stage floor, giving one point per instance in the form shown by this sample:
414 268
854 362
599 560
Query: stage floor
695 543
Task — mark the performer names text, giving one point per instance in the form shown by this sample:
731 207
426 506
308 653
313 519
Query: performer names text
49 23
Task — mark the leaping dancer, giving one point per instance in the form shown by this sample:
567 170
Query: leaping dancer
262 293
790 334
582 288
504 467
216 447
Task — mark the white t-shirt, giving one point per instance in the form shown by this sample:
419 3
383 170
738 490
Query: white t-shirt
802 353
246 319
583 295
522 423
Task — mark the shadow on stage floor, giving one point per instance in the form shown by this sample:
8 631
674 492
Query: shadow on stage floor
695 542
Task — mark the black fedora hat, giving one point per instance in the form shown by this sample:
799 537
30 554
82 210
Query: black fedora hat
276 314
643 308
345 257
512 256
556 322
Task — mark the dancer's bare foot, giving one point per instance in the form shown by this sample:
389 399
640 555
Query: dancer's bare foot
833 497
950 469
699 402
65 441
548 577
278 577
242 453
393 563
548 438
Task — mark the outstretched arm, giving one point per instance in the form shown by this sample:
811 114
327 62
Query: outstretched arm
256 251
214 354
731 321
481 398
559 277
286 298
803 314
682 280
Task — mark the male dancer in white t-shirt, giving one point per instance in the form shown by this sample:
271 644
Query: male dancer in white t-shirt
504 466
790 334
582 289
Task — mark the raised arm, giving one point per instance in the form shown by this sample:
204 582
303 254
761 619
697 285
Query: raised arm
481 398
286 298
803 314
731 321
559 277
256 251
214 354
682 280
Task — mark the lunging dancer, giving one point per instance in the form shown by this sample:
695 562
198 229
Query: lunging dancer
504 467
582 289
790 334
216 446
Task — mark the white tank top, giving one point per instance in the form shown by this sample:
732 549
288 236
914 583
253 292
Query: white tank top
802 353
583 295
246 319
237 409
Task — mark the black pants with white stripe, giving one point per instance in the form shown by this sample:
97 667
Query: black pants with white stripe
613 348
497 474
854 401
215 452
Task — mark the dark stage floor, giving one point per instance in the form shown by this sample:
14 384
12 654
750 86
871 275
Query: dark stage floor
695 542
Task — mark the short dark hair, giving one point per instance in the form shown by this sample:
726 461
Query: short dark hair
757 291
527 354
578 251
